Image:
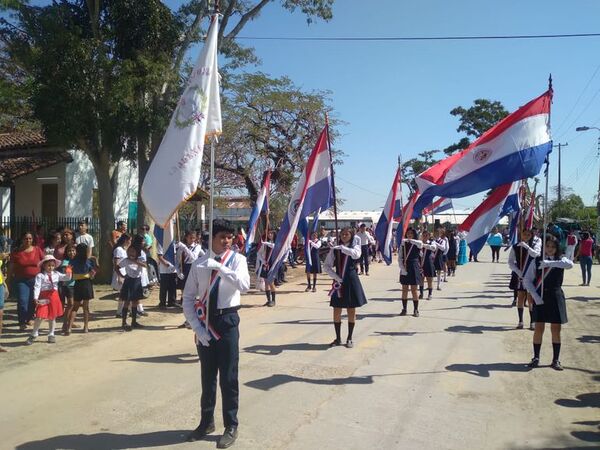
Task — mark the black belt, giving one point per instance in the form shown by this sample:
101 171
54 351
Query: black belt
220 312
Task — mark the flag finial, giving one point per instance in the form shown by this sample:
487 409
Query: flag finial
550 82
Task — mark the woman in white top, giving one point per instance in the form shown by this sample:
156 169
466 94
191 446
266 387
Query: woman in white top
119 253
263 258
314 266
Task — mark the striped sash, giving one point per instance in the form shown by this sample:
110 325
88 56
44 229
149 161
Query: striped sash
335 286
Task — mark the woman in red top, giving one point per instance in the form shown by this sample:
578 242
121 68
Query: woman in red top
23 268
586 247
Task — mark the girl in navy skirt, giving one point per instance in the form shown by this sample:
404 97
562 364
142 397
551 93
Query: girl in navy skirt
441 244
549 306
452 253
132 291
84 271
314 267
427 266
346 292
409 260
263 258
521 256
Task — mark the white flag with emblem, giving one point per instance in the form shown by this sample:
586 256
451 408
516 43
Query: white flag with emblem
174 173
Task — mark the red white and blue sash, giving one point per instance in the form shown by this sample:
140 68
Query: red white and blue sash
201 305
341 271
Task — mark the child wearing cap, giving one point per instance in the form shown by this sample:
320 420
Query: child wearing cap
46 298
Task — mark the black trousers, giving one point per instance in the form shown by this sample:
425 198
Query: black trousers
364 258
221 357
168 288
495 252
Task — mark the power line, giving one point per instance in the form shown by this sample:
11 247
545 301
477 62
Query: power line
358 186
419 38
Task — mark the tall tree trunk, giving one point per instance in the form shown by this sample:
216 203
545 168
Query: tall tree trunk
106 195
143 164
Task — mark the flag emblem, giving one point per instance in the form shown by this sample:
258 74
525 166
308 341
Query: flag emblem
482 155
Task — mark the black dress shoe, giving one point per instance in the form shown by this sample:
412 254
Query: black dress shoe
228 438
201 432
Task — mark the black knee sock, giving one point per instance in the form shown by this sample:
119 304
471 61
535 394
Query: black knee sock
124 315
520 311
338 330
514 296
416 304
430 290
421 290
350 330
133 315
555 351
273 296
404 304
308 282
536 350
268 294
530 317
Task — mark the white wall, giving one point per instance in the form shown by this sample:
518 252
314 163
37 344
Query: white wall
4 202
82 181
28 191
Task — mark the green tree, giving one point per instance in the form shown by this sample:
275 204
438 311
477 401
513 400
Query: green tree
475 120
414 166
104 76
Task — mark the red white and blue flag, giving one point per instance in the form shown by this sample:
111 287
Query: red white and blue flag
439 206
530 212
261 206
313 192
385 224
307 232
503 201
514 149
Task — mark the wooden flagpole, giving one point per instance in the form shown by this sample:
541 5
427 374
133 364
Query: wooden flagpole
335 215
545 213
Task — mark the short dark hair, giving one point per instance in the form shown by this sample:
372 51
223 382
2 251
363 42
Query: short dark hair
120 222
222 225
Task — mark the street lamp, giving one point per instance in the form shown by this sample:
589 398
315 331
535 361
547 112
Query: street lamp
598 193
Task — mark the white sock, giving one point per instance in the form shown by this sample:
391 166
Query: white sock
140 307
37 323
52 326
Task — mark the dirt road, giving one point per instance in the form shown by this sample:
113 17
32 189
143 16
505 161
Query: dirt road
454 378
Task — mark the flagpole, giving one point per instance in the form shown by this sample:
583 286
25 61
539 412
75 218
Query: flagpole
335 215
212 165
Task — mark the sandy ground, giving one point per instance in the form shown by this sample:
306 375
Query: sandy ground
454 378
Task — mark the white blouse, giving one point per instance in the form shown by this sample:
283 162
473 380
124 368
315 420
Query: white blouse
48 282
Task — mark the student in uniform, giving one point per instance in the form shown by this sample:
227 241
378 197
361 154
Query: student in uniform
409 260
132 290
262 266
188 251
346 291
167 295
314 267
441 244
365 242
520 258
549 306
427 267
452 253
118 275
211 300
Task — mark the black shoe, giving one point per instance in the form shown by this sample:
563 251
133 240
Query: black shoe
416 313
535 362
201 432
335 343
228 438
556 365
403 312
137 325
420 296
162 306
126 327
142 313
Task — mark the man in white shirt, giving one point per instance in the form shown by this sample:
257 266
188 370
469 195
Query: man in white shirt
365 241
217 279
84 238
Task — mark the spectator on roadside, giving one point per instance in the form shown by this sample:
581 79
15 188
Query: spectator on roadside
585 253
39 237
3 293
53 242
495 242
85 238
116 234
118 276
84 271
67 288
153 272
571 244
4 241
67 237
23 267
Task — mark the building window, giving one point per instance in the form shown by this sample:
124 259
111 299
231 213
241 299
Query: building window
50 200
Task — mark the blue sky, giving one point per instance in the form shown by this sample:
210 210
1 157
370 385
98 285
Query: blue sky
396 96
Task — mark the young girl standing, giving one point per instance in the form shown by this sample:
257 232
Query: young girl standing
441 244
409 260
67 287
262 262
346 292
521 256
427 266
132 291
549 306
452 253
84 271
315 263
118 276
46 298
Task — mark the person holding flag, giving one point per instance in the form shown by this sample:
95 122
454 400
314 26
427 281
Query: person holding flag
346 291
409 260
313 266
543 281
262 266
441 244
519 259
427 267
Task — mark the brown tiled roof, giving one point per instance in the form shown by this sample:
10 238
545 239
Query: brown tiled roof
25 152
22 139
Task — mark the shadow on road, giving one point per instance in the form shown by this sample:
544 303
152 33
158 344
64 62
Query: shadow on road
479 329
182 358
268 383
591 400
103 441
485 370
396 333
589 339
273 350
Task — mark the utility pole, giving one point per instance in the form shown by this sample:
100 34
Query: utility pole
559 146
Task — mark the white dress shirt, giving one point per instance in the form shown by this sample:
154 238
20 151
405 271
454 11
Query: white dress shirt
48 282
354 251
235 280
531 275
